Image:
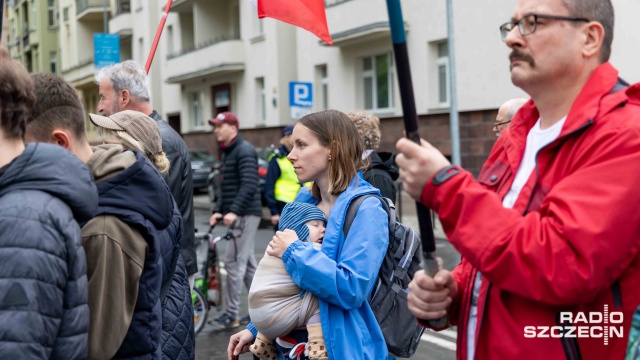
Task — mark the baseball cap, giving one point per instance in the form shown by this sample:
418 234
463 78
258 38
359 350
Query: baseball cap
138 125
224 118
288 130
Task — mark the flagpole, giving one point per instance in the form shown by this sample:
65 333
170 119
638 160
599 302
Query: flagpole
163 19
410 116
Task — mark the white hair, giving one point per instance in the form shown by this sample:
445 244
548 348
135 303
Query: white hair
127 75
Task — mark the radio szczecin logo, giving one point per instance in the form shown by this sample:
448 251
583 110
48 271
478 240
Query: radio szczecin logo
603 325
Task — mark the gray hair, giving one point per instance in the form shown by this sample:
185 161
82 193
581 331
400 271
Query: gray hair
596 10
127 75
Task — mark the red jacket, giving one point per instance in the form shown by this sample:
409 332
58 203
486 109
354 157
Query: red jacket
571 241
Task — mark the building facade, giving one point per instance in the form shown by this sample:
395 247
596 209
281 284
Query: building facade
33 33
216 55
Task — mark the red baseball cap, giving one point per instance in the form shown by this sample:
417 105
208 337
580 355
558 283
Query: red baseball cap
224 118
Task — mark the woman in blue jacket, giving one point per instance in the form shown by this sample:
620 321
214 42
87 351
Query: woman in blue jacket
328 151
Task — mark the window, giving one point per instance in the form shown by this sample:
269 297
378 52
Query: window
34 16
52 13
322 87
53 62
170 39
141 58
443 73
261 100
65 14
377 81
195 110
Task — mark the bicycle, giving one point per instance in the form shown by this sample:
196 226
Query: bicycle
208 280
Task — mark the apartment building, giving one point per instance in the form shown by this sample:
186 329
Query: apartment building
218 56
33 33
5 25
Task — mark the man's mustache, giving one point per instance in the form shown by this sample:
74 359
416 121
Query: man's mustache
517 54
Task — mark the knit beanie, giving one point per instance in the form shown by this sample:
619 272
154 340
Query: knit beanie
296 214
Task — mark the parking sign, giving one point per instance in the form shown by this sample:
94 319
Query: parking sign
300 99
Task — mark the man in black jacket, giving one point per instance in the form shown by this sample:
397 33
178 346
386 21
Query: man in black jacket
239 201
125 86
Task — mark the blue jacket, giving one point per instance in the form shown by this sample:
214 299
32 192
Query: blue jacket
44 194
344 273
139 197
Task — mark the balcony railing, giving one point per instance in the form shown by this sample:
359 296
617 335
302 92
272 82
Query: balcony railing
203 44
330 3
123 7
82 5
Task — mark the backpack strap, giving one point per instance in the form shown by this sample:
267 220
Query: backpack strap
352 211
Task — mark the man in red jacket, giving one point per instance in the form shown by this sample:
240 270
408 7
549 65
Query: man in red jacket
549 233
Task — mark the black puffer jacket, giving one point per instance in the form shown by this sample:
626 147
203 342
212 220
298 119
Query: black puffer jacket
239 189
44 194
180 183
381 173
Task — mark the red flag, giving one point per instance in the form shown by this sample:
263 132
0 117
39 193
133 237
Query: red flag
307 14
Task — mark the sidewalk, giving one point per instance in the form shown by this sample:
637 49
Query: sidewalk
406 203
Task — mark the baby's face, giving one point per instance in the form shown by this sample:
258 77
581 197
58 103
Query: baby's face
316 230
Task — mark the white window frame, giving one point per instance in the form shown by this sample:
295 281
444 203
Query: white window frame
261 100
324 87
366 74
194 101
33 22
442 61
53 61
52 13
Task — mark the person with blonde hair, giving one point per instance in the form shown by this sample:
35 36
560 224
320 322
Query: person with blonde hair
138 290
381 171
136 131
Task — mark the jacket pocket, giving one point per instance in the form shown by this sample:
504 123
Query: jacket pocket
494 176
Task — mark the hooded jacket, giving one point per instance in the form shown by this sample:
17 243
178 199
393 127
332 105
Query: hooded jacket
180 183
571 242
132 245
344 272
382 172
45 193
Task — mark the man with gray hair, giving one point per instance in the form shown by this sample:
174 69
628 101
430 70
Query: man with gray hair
506 112
125 86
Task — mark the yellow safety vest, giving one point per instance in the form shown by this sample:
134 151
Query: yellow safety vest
287 185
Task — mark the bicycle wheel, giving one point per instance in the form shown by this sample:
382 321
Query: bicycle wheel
200 309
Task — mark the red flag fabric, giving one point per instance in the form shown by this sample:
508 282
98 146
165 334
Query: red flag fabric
307 14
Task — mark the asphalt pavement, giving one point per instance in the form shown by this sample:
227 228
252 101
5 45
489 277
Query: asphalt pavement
211 343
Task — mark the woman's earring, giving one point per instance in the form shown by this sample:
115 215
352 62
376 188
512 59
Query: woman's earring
329 157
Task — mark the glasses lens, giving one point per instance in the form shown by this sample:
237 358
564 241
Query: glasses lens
527 25
505 29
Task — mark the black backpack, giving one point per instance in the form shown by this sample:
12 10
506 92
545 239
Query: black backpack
388 300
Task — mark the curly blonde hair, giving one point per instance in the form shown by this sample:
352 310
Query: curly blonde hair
159 160
368 127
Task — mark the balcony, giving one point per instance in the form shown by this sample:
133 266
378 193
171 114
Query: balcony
80 74
90 10
214 58
368 21
123 7
182 6
121 24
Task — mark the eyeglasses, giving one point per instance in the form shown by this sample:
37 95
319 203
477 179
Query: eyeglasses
528 23
497 123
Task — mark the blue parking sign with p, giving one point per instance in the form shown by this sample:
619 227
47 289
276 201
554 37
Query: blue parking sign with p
301 94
